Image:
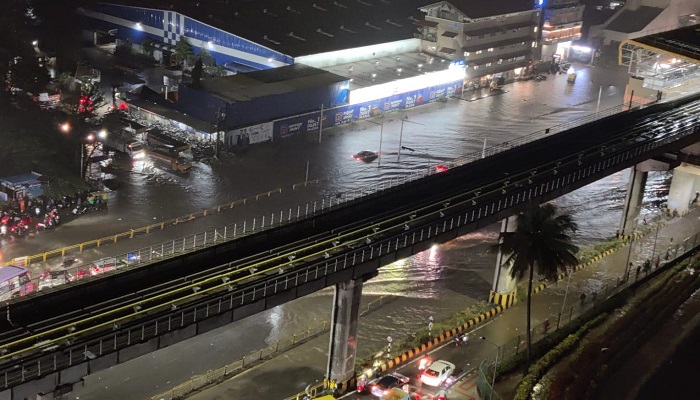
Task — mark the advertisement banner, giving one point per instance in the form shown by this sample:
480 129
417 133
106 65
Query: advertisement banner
286 127
256 133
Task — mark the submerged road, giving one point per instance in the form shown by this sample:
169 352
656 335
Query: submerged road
420 200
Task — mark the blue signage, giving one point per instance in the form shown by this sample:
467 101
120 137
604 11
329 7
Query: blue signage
309 122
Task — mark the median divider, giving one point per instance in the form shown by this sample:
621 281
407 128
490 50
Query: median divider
130 234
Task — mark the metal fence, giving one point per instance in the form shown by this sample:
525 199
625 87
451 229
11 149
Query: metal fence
173 248
272 282
558 320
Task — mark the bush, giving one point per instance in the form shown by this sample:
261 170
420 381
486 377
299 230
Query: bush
552 357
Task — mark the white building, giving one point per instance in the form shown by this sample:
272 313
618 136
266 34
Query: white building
493 38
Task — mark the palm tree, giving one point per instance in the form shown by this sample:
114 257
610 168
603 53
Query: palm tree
541 240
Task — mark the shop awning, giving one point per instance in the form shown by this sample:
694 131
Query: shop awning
447 50
449 34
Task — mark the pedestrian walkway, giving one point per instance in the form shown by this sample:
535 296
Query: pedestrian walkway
303 366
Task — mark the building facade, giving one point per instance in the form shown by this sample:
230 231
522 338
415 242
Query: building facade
495 39
562 21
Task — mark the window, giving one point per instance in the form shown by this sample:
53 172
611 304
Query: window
535 29
516 29
478 52
466 53
488 64
522 43
490 49
476 67
467 37
534 44
500 61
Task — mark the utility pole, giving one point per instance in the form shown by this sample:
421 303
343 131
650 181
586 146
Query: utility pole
220 117
320 126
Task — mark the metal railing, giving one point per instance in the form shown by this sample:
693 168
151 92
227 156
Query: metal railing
165 250
277 347
273 282
559 320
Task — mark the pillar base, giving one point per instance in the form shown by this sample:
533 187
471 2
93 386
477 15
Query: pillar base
504 300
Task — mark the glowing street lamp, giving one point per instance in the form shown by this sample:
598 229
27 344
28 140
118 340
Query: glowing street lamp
102 134
65 127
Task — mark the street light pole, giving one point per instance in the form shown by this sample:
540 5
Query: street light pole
495 366
566 293
381 139
404 119
600 94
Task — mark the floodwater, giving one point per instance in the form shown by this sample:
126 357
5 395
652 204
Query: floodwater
436 283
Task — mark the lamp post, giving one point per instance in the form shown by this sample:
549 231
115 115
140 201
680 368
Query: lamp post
566 293
657 219
89 138
381 139
404 119
495 366
220 117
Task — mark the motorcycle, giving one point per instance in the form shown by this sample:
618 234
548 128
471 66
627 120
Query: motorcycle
461 340
45 224
79 210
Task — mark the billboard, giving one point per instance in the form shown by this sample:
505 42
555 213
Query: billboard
286 127
254 134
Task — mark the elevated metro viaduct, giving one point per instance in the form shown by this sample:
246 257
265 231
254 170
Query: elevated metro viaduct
54 338
664 64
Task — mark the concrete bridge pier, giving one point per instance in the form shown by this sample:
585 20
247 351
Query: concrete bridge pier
633 200
343 338
504 291
684 193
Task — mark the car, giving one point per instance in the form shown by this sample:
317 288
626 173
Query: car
366 156
381 386
51 279
437 373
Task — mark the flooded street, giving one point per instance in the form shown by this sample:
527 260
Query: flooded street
434 283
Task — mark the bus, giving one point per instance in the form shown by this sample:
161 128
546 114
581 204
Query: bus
15 281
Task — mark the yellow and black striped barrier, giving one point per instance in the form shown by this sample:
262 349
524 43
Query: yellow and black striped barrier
503 299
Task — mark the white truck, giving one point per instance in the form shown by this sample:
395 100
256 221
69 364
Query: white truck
123 144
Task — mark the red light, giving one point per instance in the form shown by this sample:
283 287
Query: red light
123 106
440 168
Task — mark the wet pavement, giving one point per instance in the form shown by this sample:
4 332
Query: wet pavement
301 366
434 283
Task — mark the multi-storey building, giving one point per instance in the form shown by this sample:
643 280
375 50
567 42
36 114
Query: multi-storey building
494 38
561 27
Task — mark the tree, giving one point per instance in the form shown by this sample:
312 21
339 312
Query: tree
541 241
183 51
197 74
207 58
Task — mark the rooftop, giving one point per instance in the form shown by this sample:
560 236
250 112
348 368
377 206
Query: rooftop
629 21
475 9
243 87
684 42
386 69
303 27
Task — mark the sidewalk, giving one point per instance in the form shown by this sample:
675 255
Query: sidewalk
293 371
